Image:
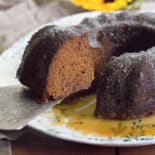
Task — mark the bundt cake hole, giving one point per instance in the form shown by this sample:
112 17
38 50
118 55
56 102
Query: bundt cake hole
129 39
72 68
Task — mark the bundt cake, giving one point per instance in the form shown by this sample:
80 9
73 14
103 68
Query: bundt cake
102 52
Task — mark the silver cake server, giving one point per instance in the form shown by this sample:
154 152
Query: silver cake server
18 107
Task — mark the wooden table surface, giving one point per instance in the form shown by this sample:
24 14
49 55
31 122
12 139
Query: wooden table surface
30 144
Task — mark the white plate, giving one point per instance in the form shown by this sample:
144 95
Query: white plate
9 62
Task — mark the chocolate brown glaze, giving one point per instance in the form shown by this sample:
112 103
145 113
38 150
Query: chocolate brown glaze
127 86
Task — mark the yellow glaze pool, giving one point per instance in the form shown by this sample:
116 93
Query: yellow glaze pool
80 116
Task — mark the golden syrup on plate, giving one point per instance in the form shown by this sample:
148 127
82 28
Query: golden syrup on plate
80 116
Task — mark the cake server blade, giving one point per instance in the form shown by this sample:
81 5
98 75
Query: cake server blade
18 107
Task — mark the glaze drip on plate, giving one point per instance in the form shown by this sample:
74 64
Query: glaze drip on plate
79 116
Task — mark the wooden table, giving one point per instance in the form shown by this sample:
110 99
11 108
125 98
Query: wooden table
30 144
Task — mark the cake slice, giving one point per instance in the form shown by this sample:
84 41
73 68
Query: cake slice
58 62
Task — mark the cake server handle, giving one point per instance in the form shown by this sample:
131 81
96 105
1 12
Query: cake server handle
18 107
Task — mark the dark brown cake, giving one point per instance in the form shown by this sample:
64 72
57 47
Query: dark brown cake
59 62
127 86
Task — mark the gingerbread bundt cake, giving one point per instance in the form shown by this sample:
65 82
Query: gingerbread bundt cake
103 52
